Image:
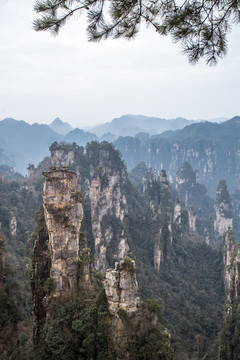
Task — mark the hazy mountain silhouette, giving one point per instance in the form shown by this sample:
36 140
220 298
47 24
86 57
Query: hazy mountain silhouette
60 127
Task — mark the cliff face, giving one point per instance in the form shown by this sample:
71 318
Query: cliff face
211 148
228 257
195 200
192 218
61 157
223 210
63 215
132 324
157 191
12 224
121 287
108 207
92 321
229 335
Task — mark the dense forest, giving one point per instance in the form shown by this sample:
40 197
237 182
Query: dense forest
187 269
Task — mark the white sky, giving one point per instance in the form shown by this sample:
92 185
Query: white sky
42 77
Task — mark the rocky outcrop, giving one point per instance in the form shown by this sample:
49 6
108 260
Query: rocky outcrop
63 215
31 170
132 324
231 261
62 157
229 334
177 212
185 181
12 223
157 255
192 218
228 252
108 206
157 190
121 287
211 148
223 210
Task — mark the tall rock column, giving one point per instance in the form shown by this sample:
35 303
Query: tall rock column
134 326
229 345
108 204
121 287
122 295
223 210
63 215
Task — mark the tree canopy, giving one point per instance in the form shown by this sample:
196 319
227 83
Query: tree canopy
201 26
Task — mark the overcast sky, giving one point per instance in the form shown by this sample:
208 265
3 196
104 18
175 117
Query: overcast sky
43 77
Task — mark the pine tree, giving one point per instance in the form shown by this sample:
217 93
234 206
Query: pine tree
201 27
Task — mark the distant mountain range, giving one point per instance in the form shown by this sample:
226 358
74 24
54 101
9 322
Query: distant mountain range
60 127
211 148
22 143
130 125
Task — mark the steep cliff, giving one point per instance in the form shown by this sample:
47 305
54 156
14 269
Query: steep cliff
133 324
12 224
195 200
70 317
211 148
156 190
108 204
223 209
229 346
63 215
121 287
169 266
62 154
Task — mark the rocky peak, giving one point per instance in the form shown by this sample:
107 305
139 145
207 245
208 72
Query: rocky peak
191 218
229 334
121 287
223 209
12 223
185 182
63 215
185 175
63 154
177 212
31 170
228 251
60 127
108 203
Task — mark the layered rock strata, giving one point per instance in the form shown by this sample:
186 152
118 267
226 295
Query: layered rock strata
63 215
121 287
108 209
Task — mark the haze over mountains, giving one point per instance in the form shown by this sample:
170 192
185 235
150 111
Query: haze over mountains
22 144
177 224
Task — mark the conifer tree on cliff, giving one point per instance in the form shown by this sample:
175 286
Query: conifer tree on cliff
201 26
